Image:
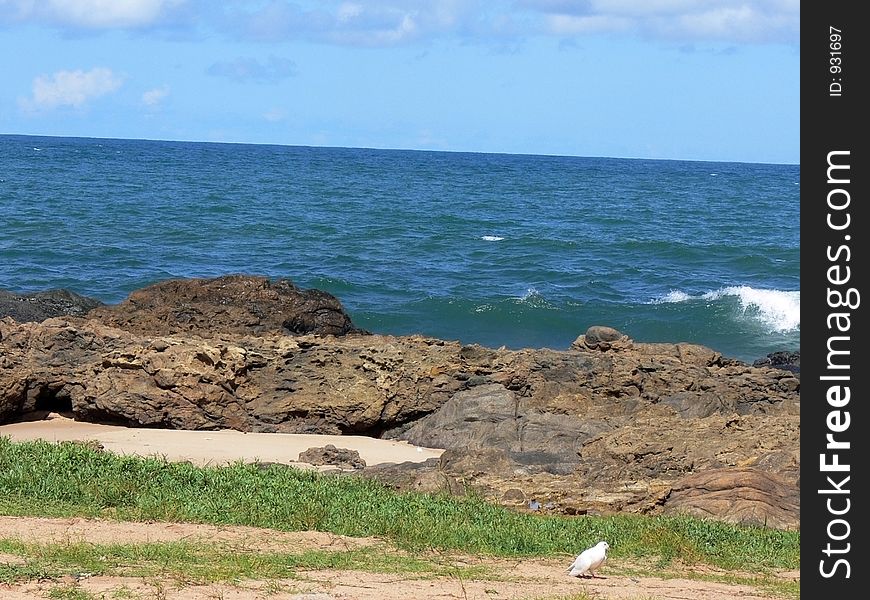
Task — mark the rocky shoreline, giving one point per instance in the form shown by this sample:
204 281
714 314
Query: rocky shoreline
608 425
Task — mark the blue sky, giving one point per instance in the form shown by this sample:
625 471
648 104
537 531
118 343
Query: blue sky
682 79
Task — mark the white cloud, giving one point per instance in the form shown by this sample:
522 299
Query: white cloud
405 29
152 98
353 23
570 25
89 14
678 20
274 69
348 11
72 88
393 22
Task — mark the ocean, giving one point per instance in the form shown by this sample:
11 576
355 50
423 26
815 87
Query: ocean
496 249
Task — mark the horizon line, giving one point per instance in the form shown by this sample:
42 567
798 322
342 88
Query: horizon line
390 149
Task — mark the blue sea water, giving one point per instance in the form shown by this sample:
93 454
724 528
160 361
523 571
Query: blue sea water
513 250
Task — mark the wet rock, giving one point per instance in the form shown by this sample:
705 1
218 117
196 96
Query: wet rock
44 305
788 361
230 304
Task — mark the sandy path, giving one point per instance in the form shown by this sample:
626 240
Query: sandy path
526 579
211 447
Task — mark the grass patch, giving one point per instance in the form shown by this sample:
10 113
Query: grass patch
71 479
200 563
70 593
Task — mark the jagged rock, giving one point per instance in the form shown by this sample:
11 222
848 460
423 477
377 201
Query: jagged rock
746 496
788 361
44 305
230 304
343 458
589 429
268 383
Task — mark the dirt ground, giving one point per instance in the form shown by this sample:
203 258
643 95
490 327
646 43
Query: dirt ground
527 579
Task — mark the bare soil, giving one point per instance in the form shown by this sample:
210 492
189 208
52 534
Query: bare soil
527 579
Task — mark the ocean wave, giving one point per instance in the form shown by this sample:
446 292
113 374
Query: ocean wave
491 238
777 310
534 299
671 297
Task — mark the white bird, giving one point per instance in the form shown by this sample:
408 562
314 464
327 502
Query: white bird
589 560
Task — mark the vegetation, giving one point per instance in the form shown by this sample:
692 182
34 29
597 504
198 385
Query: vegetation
203 562
75 479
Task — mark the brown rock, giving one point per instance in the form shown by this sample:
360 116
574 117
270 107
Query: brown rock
591 430
425 477
746 496
599 337
230 304
303 384
343 458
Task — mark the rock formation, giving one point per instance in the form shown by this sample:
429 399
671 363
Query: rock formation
241 304
44 305
607 425
788 361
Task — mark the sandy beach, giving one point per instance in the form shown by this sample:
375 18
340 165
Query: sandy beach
211 447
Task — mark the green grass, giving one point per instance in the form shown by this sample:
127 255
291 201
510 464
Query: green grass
70 479
69 593
202 563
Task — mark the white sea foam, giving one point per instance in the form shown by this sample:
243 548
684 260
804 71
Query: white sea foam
778 310
534 299
672 296
491 238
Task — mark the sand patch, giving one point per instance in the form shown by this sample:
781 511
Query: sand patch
211 447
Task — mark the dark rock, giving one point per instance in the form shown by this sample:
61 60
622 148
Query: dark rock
482 416
342 458
44 305
492 416
788 361
231 304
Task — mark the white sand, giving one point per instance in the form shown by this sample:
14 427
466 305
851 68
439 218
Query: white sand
212 447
